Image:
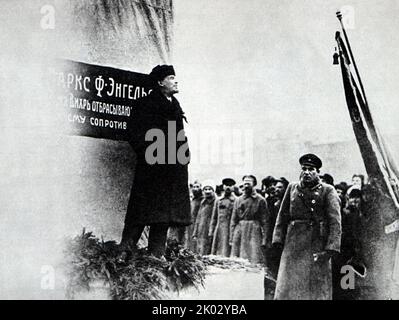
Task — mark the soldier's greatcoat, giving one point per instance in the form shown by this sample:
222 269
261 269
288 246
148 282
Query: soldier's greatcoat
249 226
201 227
220 225
309 221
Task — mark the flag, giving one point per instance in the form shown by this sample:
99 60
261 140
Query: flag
382 172
379 163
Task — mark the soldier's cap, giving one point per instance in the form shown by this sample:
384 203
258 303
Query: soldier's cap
228 182
341 186
310 159
160 72
268 181
355 193
327 178
209 183
284 181
252 177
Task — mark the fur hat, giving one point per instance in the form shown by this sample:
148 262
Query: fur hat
161 72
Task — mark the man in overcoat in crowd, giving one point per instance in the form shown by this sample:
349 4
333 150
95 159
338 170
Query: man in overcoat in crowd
203 220
219 229
308 228
272 254
249 224
160 195
197 197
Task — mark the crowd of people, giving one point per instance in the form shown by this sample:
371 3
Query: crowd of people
237 220
234 220
214 210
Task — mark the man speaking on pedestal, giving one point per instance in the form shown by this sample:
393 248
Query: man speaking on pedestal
160 195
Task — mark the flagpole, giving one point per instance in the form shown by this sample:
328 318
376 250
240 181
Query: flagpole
378 135
339 16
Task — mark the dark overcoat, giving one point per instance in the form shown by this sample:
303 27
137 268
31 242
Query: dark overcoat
160 192
309 221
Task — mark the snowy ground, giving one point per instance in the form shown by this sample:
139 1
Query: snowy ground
224 284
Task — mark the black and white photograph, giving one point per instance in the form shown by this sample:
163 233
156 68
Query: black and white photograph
197 150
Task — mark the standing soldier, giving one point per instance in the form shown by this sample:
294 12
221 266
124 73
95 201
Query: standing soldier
273 255
202 222
309 229
249 223
195 205
219 230
268 184
341 191
160 195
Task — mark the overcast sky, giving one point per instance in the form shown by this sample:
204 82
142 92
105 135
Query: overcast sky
268 64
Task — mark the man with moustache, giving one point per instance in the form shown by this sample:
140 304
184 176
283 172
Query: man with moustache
160 195
249 224
267 188
219 229
308 228
280 187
